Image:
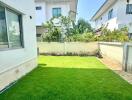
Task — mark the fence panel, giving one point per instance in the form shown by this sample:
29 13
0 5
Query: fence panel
112 50
68 47
128 57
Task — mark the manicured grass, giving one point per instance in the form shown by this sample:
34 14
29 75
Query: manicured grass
70 78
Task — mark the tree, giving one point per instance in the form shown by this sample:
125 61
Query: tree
68 30
83 26
118 35
66 24
54 33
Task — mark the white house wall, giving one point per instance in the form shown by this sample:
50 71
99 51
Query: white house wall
40 14
123 18
45 13
120 18
12 58
112 23
65 8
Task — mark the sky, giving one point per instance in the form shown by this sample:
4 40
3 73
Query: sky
87 8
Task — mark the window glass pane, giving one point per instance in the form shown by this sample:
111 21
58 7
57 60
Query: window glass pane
129 9
59 12
38 8
3 30
13 29
56 12
110 14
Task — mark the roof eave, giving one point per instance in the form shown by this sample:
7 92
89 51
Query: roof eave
93 18
99 13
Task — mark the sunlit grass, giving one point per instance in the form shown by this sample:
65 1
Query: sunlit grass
70 78
71 62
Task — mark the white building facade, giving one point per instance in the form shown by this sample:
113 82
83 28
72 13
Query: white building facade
18 48
114 14
47 9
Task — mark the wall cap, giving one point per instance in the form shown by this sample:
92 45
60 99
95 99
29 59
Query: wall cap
112 43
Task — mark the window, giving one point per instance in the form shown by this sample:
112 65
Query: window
13 29
101 18
129 9
38 8
3 30
38 35
10 29
56 12
110 14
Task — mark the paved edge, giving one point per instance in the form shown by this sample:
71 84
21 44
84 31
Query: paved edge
116 67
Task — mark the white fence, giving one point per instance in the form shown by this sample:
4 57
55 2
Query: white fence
119 52
127 63
68 48
112 50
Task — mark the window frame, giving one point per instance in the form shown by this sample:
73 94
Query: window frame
57 8
110 14
20 19
6 28
101 18
127 9
38 8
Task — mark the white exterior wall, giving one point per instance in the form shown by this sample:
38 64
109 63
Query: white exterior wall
112 23
65 8
9 59
40 14
46 13
120 18
123 18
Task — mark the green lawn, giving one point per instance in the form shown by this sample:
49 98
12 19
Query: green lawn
70 78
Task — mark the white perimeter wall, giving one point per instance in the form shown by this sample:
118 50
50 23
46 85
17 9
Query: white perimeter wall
112 50
129 59
12 58
68 47
121 53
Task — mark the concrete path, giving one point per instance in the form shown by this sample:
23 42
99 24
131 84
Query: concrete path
117 68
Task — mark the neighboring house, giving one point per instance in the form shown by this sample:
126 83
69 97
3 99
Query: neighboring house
114 14
47 9
18 48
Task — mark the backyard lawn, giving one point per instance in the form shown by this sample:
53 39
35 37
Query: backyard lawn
69 78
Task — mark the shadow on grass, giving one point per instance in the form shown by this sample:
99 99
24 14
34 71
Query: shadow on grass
42 65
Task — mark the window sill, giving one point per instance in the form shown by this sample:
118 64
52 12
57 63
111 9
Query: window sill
8 49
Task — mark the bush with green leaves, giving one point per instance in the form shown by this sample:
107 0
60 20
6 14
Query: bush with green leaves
53 36
68 31
85 37
120 35
82 32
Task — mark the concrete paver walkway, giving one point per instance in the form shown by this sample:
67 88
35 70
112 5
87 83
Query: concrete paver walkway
117 68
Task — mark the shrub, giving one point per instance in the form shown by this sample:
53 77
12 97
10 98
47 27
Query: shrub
114 36
53 36
85 37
